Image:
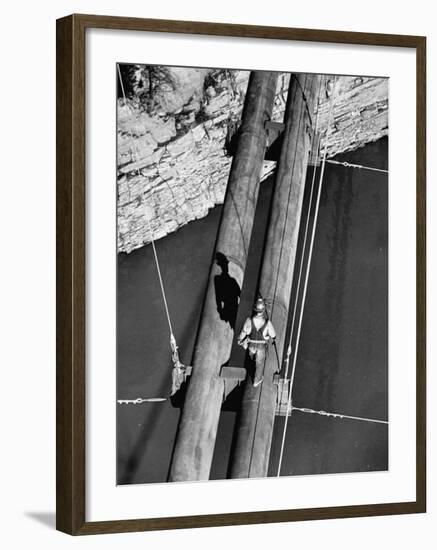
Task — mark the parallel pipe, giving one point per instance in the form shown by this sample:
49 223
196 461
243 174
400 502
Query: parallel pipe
197 430
255 428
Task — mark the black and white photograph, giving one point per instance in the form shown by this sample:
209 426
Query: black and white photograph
219 253
252 273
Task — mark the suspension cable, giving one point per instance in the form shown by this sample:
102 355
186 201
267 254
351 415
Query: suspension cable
152 239
160 277
300 270
141 400
337 415
304 243
121 82
360 166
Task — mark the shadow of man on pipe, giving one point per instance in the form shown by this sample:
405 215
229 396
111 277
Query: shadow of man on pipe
227 292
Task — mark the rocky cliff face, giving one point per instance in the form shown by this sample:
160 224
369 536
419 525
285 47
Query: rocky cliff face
172 160
360 114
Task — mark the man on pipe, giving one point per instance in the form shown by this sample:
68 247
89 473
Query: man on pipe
257 333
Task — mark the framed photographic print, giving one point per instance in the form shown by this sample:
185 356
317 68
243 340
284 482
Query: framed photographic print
240 274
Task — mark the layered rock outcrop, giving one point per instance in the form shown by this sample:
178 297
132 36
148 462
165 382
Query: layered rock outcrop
360 114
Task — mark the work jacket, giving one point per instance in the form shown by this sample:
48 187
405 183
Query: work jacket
257 331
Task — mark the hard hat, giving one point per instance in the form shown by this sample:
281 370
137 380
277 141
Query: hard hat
259 305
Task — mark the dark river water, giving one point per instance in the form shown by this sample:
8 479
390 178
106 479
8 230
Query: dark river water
342 363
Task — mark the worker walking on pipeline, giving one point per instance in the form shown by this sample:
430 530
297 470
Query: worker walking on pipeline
257 333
